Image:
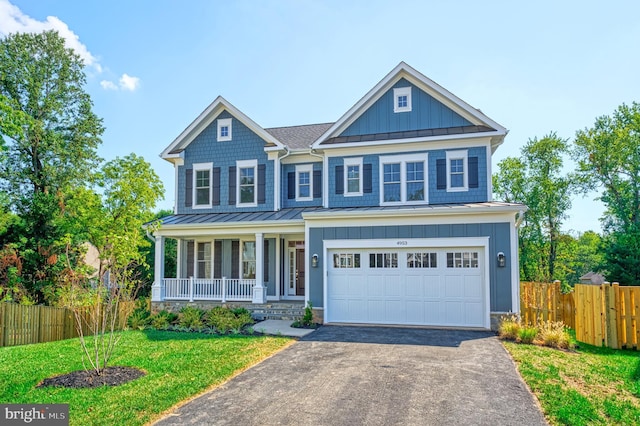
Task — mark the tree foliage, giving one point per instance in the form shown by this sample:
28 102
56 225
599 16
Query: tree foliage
536 179
50 136
609 160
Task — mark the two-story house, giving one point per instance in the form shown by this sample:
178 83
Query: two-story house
385 216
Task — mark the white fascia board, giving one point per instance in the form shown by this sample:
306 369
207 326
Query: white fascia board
301 157
234 228
402 70
206 118
450 139
419 215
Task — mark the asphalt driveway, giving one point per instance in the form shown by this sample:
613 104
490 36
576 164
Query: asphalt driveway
344 375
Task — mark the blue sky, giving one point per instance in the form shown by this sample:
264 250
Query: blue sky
153 66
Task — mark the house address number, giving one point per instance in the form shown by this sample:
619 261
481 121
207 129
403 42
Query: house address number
403 243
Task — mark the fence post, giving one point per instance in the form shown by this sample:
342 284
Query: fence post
3 324
224 289
611 316
190 289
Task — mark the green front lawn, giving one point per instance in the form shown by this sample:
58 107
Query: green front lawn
178 366
589 386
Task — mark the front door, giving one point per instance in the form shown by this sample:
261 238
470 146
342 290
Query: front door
295 284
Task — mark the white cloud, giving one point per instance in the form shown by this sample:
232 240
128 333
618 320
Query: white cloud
108 85
12 20
128 82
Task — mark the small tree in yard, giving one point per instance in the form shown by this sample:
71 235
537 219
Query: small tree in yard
112 221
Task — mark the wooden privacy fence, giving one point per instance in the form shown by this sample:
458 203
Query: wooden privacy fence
22 325
606 314
546 302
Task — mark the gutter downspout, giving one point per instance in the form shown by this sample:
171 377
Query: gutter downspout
277 171
520 218
324 176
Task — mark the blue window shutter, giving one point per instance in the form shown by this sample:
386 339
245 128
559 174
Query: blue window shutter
232 186
339 179
441 173
261 183
235 258
291 185
217 259
188 187
216 186
473 172
317 184
191 255
367 184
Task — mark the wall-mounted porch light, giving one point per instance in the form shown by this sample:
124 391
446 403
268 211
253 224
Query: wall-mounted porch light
502 261
314 261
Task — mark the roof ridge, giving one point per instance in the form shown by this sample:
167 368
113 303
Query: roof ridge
299 125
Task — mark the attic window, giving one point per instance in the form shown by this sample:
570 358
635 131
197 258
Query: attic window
224 129
402 99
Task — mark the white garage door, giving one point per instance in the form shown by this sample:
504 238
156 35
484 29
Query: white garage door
420 286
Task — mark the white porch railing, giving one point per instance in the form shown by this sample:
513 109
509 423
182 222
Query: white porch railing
222 289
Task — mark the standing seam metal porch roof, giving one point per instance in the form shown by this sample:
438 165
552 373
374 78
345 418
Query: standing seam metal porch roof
295 214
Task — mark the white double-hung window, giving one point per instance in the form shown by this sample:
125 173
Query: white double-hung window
202 186
353 176
457 174
403 179
304 182
247 183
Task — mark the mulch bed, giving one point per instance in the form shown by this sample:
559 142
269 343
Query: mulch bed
111 376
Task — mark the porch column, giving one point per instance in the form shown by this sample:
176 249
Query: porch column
259 291
158 271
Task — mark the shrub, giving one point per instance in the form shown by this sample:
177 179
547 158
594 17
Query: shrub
138 319
224 319
509 328
191 318
162 320
307 319
527 334
555 335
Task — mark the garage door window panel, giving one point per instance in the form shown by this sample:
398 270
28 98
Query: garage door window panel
462 259
346 260
422 260
383 260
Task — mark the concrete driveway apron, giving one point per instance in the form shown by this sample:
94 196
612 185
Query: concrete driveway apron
348 375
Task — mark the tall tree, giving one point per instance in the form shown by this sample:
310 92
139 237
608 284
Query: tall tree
537 180
51 136
609 160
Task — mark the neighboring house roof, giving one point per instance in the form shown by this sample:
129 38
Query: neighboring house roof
299 137
416 78
205 119
592 278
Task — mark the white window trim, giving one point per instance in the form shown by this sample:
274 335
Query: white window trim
241 266
355 161
222 122
246 164
304 168
403 160
401 91
458 155
199 167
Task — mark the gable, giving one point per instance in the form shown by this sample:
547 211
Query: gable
434 114
208 117
426 113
